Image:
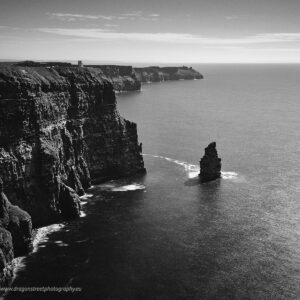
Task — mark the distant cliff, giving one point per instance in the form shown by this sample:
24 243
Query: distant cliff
157 74
127 78
60 130
122 77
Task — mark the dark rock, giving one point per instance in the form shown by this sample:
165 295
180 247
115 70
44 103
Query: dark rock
20 228
6 257
15 235
210 164
60 125
69 202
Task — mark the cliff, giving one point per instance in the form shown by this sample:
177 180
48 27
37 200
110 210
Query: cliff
122 77
127 78
157 74
210 164
59 131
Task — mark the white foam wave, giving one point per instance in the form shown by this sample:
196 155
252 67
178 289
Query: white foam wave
42 234
229 175
118 187
86 196
82 214
129 187
193 170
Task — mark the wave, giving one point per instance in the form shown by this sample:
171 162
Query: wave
41 236
86 196
42 233
193 170
115 186
229 175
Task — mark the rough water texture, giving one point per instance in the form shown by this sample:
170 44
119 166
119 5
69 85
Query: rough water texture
59 131
210 164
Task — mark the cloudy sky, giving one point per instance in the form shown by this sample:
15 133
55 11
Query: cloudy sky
151 31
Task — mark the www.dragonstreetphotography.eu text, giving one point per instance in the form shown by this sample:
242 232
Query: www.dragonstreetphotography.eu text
41 289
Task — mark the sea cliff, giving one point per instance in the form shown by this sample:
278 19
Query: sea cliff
122 77
60 131
159 74
127 78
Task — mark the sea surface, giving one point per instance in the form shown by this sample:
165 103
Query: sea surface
164 235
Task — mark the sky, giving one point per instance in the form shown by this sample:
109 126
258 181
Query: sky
153 31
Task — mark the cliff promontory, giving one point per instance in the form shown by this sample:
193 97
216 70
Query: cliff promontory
158 74
60 130
127 78
122 77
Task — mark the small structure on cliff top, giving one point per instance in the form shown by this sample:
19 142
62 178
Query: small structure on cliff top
210 164
80 64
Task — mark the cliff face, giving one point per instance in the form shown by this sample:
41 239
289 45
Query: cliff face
157 74
59 131
15 235
127 78
122 77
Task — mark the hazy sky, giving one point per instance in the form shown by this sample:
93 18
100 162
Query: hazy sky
151 31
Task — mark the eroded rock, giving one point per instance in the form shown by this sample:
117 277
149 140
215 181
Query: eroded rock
210 164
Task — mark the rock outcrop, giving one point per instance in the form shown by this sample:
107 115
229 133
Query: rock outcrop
210 164
157 74
59 132
15 235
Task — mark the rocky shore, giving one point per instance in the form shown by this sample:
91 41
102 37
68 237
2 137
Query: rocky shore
60 131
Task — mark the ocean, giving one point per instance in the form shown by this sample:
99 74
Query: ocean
164 235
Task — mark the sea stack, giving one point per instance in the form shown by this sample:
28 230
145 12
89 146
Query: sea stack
210 164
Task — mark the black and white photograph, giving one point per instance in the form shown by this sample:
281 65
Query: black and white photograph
149 149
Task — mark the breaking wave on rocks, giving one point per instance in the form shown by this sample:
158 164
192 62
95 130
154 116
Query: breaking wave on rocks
42 235
193 170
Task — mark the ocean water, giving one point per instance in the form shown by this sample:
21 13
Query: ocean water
165 236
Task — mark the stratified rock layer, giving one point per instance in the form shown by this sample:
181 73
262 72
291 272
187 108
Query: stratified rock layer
59 130
210 164
122 77
127 78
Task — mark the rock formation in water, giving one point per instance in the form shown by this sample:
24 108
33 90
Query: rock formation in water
59 131
157 74
210 164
